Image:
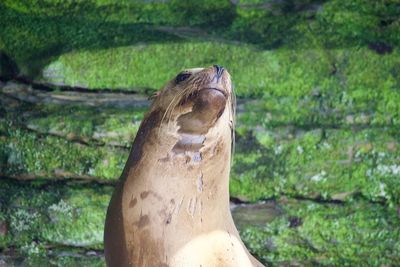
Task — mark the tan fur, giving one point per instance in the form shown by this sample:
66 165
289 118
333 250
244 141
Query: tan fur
171 206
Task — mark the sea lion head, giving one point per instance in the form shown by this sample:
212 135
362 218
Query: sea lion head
196 98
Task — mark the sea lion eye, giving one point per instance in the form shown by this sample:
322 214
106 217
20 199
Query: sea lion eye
182 76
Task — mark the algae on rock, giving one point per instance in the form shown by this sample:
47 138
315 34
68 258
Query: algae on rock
323 234
43 212
318 117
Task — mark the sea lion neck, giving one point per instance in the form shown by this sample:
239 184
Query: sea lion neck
189 170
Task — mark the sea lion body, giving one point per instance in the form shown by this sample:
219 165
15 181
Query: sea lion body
171 206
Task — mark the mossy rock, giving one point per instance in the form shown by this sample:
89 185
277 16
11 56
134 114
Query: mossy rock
317 234
26 154
34 34
318 118
97 126
308 159
65 141
330 164
40 215
54 214
204 13
297 86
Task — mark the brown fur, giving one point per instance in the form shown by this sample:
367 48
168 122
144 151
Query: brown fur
171 206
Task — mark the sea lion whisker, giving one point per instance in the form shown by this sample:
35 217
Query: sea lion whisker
162 121
178 99
168 112
169 108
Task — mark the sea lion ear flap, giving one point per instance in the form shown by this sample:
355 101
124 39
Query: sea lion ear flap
154 95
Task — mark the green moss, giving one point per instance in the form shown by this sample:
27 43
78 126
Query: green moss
296 86
359 22
34 33
311 151
102 125
67 257
327 164
108 68
309 233
268 28
56 215
322 122
66 141
265 73
54 27
328 235
204 13
26 153
87 209
32 41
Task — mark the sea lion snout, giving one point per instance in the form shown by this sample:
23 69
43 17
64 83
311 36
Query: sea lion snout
218 79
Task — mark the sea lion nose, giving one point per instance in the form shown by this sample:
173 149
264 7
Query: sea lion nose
219 71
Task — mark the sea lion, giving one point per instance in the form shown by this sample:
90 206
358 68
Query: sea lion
171 205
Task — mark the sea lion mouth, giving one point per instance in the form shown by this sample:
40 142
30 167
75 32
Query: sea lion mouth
212 92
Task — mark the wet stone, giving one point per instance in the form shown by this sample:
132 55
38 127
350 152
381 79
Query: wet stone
258 214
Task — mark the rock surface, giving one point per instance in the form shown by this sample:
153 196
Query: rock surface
317 130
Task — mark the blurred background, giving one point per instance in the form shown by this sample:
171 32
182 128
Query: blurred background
316 174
